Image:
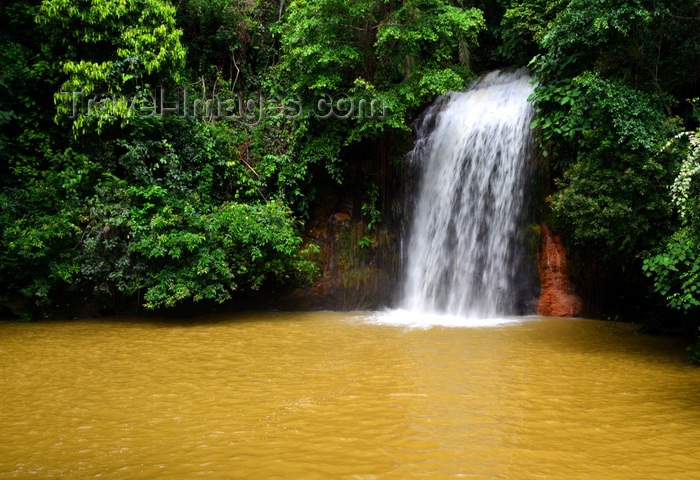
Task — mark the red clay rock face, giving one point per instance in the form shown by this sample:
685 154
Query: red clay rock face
557 298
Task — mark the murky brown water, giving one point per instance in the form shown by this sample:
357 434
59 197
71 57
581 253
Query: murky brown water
329 395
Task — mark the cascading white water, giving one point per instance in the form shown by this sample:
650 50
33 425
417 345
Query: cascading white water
465 248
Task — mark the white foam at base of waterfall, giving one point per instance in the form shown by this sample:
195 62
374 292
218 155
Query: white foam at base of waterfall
411 319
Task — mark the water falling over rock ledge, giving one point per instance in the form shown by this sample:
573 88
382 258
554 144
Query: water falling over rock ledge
466 253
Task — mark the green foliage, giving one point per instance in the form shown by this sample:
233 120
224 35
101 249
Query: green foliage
555 121
26 104
598 201
372 214
523 25
325 41
584 23
365 242
229 40
206 255
159 209
370 210
403 54
610 85
603 133
422 51
427 29
612 130
676 271
590 107
161 216
614 62
105 46
675 264
685 192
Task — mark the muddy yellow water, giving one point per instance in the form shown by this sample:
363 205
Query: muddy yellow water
328 395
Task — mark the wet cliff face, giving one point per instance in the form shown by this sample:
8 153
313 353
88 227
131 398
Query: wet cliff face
557 297
357 266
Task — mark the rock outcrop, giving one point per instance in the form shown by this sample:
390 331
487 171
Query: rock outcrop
557 296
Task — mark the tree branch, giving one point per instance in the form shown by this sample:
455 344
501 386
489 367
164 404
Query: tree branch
678 17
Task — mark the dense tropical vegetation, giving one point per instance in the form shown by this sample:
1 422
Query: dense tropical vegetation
110 191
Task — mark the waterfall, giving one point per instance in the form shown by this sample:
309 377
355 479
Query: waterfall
465 251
